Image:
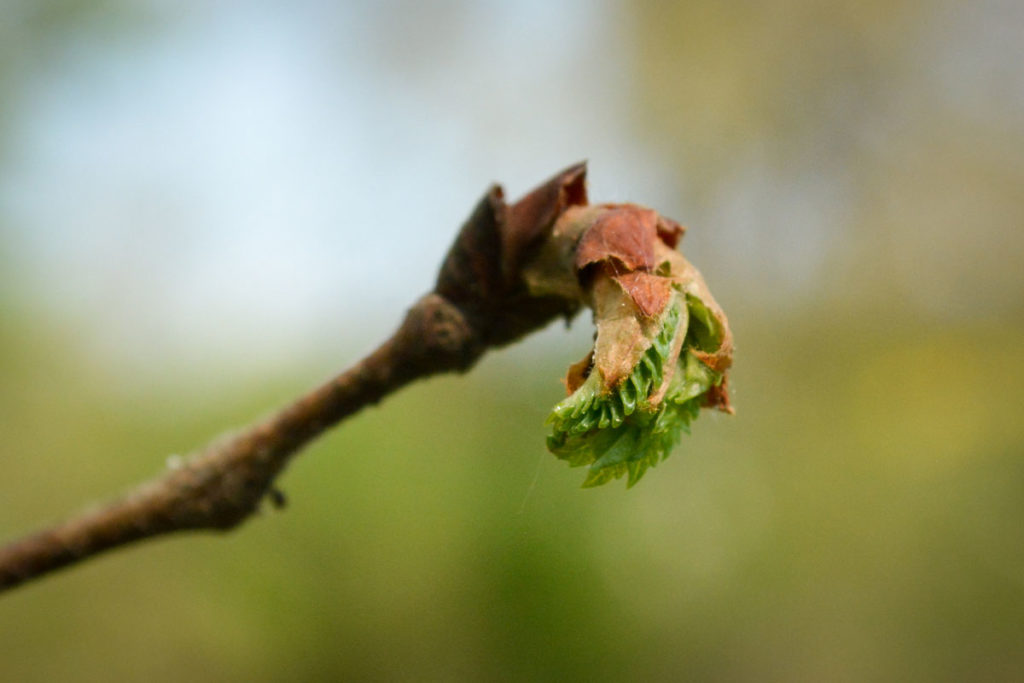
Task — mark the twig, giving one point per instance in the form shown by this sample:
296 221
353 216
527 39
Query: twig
479 302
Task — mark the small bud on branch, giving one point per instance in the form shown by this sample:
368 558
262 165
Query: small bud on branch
662 349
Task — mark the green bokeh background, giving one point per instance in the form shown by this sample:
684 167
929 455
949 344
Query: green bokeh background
860 518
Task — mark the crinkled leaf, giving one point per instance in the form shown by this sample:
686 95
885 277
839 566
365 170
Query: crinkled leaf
623 333
622 431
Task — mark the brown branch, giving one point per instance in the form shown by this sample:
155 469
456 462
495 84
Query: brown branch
480 301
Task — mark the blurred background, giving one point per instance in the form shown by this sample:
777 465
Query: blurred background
205 208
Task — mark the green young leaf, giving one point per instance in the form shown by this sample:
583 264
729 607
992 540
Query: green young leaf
632 425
